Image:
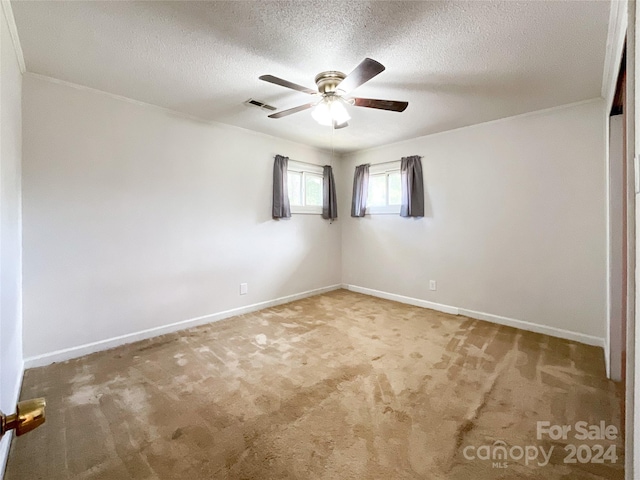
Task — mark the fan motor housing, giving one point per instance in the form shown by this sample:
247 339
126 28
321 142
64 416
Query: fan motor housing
328 81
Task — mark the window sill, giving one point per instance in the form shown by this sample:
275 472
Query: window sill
298 210
387 210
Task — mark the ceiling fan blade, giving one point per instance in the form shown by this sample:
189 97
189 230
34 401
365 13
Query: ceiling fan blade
391 105
337 126
287 84
291 111
364 72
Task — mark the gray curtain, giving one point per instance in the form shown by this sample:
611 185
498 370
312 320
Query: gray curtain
412 187
360 190
281 208
329 205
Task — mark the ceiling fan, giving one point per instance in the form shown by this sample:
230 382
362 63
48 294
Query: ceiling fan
333 88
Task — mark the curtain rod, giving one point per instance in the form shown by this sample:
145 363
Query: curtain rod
306 163
384 163
390 161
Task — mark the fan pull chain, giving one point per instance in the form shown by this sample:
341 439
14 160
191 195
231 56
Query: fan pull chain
333 130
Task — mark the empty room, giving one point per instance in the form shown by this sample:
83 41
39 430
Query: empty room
264 240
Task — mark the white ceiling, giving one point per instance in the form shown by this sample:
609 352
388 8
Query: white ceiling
456 63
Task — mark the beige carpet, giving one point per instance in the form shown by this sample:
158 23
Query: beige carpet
339 386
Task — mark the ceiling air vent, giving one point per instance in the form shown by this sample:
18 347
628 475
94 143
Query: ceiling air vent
259 104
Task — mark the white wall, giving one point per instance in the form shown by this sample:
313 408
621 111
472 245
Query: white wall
10 229
515 222
135 219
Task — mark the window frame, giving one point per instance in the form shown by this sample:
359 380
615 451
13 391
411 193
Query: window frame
385 169
305 169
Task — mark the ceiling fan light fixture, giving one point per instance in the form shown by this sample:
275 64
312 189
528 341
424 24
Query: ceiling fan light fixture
332 87
322 113
339 112
330 111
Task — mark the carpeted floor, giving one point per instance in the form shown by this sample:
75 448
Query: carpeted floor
339 386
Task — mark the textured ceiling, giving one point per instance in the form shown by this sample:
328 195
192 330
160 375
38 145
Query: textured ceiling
456 63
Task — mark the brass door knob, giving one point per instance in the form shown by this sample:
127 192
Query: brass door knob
29 415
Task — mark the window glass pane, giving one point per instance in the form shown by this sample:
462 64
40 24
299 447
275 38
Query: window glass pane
377 195
313 190
295 187
395 189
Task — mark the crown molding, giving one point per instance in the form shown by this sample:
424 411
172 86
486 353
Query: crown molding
618 18
165 110
532 113
13 31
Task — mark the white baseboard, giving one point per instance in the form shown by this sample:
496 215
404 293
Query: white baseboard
5 444
535 327
81 350
402 299
509 322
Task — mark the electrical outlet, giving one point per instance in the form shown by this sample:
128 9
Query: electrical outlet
432 285
244 289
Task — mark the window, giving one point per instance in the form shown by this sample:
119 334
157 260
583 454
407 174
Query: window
305 187
385 189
